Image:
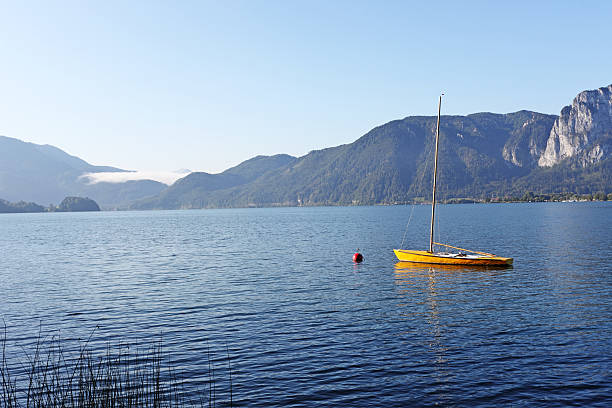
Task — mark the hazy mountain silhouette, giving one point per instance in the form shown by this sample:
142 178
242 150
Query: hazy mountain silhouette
45 174
481 155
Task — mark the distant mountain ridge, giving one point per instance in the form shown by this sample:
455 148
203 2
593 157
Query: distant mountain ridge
481 155
46 174
387 165
186 192
72 161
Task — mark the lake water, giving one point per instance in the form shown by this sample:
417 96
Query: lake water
304 326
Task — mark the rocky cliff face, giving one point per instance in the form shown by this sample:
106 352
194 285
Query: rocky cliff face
583 131
527 141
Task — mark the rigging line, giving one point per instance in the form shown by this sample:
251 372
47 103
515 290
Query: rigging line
430 164
428 151
427 163
426 168
406 229
438 232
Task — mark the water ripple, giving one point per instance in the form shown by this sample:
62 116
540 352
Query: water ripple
306 327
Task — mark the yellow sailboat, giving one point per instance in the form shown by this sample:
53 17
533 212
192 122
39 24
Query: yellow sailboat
464 256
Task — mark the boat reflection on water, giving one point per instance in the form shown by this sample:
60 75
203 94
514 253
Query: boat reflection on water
448 278
421 307
416 267
431 294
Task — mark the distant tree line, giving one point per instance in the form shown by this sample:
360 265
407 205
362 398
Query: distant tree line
532 197
68 204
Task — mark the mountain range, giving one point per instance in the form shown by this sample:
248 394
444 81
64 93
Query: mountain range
481 155
45 174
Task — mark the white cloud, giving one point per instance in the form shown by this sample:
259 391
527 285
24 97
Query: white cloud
166 177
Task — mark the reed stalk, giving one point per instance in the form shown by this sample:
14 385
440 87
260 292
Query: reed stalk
121 377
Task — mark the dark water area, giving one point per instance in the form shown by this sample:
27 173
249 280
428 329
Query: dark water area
304 326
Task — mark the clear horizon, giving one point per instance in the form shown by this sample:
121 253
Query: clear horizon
156 87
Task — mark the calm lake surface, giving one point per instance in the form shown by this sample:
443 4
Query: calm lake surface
305 326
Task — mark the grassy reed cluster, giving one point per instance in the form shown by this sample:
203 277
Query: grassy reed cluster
50 376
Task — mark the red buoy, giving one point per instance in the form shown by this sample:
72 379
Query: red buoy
357 257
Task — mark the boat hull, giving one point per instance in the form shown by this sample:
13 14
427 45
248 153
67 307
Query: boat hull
438 258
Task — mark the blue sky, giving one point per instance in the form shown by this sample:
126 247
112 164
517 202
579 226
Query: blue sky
204 85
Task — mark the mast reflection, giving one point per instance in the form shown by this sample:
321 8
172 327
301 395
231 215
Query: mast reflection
410 277
427 293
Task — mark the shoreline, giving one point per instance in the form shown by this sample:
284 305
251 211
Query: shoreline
543 198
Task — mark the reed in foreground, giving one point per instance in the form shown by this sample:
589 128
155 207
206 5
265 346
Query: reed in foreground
50 376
